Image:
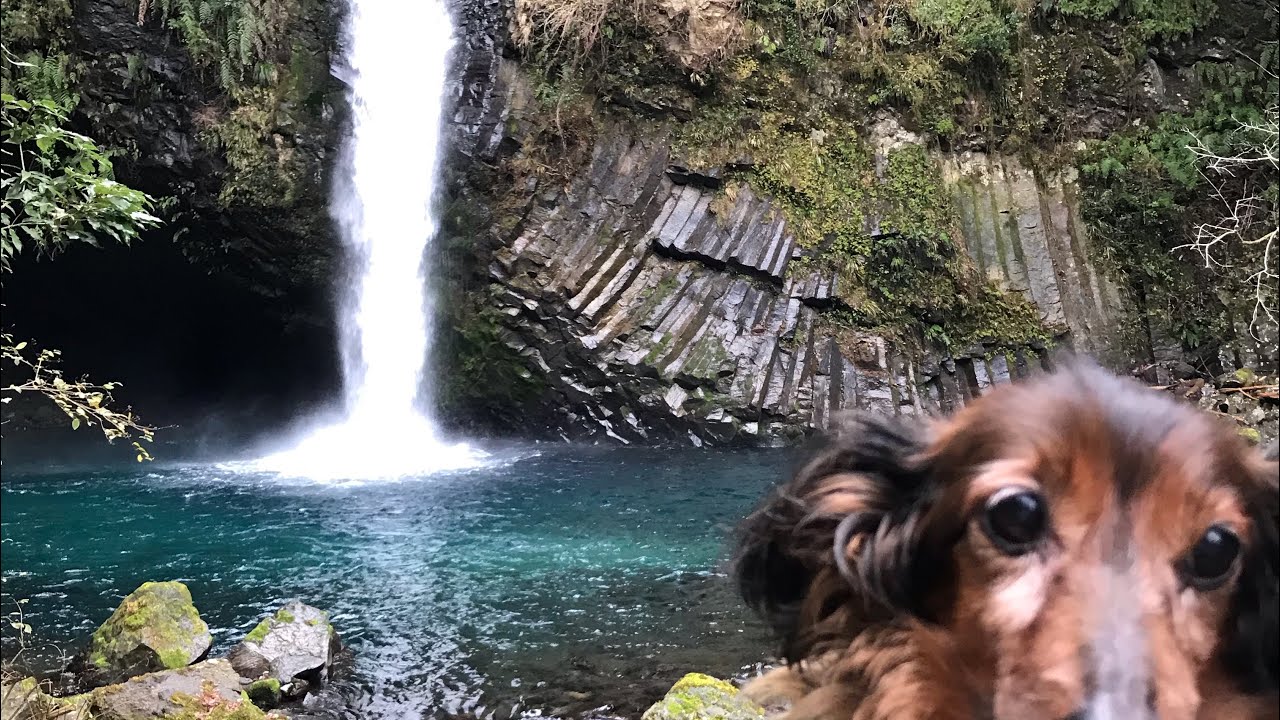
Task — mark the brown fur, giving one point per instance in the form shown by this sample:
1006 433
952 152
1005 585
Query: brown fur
893 603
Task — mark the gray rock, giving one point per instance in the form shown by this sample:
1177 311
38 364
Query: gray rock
202 686
640 279
296 643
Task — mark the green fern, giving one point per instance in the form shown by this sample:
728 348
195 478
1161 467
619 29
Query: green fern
52 77
237 38
226 71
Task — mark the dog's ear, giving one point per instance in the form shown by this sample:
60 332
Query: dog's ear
845 531
1251 653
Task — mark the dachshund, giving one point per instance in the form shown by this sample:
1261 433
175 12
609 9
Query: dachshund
1071 547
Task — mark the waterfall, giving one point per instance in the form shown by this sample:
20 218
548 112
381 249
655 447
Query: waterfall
396 59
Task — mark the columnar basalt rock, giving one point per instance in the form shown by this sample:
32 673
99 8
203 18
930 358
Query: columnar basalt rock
656 315
1023 230
655 298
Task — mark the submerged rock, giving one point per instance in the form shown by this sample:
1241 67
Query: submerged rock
702 697
208 690
296 647
157 627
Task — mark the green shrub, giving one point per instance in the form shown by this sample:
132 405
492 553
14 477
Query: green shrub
964 27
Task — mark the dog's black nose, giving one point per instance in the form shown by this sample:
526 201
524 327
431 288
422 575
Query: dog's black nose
1077 715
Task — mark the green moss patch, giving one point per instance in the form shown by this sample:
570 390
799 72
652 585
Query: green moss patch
910 277
264 693
259 632
485 375
702 697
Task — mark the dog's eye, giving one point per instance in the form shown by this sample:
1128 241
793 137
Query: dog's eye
1015 519
1211 559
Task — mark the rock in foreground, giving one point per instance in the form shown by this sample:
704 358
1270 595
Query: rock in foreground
295 647
155 628
208 690
702 697
24 699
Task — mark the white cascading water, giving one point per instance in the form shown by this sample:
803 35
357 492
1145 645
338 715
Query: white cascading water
397 55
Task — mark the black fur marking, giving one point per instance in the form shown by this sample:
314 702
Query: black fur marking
778 558
1252 650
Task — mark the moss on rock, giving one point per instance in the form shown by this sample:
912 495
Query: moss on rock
282 616
205 691
702 697
156 627
259 632
297 640
1250 434
209 705
265 692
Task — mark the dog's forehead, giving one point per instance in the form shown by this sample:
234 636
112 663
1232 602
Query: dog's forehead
1151 438
1098 434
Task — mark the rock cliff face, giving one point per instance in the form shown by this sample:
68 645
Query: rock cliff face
1023 230
143 91
641 296
229 300
653 312
649 304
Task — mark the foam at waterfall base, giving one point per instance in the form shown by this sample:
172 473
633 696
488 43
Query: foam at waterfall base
355 451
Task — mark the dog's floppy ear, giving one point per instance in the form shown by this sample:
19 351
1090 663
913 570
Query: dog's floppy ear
843 532
1251 652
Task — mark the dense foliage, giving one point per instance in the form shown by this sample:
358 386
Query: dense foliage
57 185
263 77
240 39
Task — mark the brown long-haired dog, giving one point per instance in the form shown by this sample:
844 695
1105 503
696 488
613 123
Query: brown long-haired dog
1076 546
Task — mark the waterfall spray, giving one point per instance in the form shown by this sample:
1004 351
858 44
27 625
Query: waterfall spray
396 58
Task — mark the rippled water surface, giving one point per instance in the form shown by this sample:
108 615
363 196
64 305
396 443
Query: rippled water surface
561 579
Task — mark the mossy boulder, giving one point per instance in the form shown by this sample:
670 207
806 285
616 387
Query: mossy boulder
209 690
702 697
157 627
295 647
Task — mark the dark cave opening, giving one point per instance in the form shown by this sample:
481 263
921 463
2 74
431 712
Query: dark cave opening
196 351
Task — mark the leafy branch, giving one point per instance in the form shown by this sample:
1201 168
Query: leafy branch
85 402
57 186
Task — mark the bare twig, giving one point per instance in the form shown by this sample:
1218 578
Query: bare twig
1248 220
1239 420
1251 387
